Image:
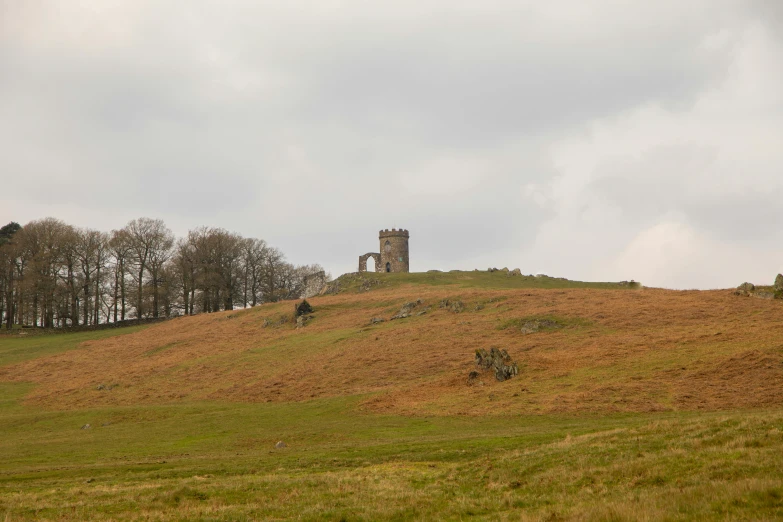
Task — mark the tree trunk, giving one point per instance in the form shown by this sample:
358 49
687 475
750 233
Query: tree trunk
140 296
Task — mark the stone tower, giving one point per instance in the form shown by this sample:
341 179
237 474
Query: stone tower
394 251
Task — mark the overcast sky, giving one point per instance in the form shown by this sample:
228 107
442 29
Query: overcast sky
595 140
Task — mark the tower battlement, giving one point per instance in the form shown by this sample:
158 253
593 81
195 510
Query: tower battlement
394 233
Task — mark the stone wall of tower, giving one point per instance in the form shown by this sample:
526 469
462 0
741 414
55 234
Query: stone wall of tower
394 251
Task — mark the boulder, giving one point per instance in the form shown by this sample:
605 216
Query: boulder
763 294
779 283
376 320
498 361
406 310
457 307
281 445
515 272
745 289
302 320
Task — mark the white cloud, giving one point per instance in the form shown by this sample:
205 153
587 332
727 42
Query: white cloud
715 166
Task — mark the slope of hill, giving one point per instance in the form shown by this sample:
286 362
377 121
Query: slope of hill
630 403
609 350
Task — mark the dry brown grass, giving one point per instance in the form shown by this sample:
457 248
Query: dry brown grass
645 350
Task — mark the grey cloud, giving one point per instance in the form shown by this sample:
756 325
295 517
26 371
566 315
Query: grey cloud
310 126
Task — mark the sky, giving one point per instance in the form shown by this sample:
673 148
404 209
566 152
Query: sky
599 140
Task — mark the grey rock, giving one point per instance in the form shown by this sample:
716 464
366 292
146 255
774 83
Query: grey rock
86 427
779 283
538 325
764 295
376 320
515 272
281 445
456 307
302 320
406 310
497 360
745 289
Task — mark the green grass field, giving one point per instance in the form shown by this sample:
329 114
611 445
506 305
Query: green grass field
216 460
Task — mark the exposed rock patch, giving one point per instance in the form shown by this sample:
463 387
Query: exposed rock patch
453 306
497 360
302 320
422 312
537 325
775 291
406 310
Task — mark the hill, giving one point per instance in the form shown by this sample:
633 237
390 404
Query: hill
618 388
610 349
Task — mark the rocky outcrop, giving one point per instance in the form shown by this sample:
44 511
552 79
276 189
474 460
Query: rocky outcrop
539 324
515 272
406 310
452 306
745 289
497 361
302 320
762 292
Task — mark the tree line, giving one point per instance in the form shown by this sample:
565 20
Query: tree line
55 275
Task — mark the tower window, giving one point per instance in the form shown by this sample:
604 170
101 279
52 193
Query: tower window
388 267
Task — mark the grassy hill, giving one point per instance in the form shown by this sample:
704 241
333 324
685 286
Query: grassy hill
630 403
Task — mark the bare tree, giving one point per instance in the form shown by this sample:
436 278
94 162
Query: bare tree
150 243
120 251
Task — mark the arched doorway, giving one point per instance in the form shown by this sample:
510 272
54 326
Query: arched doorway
371 264
388 267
